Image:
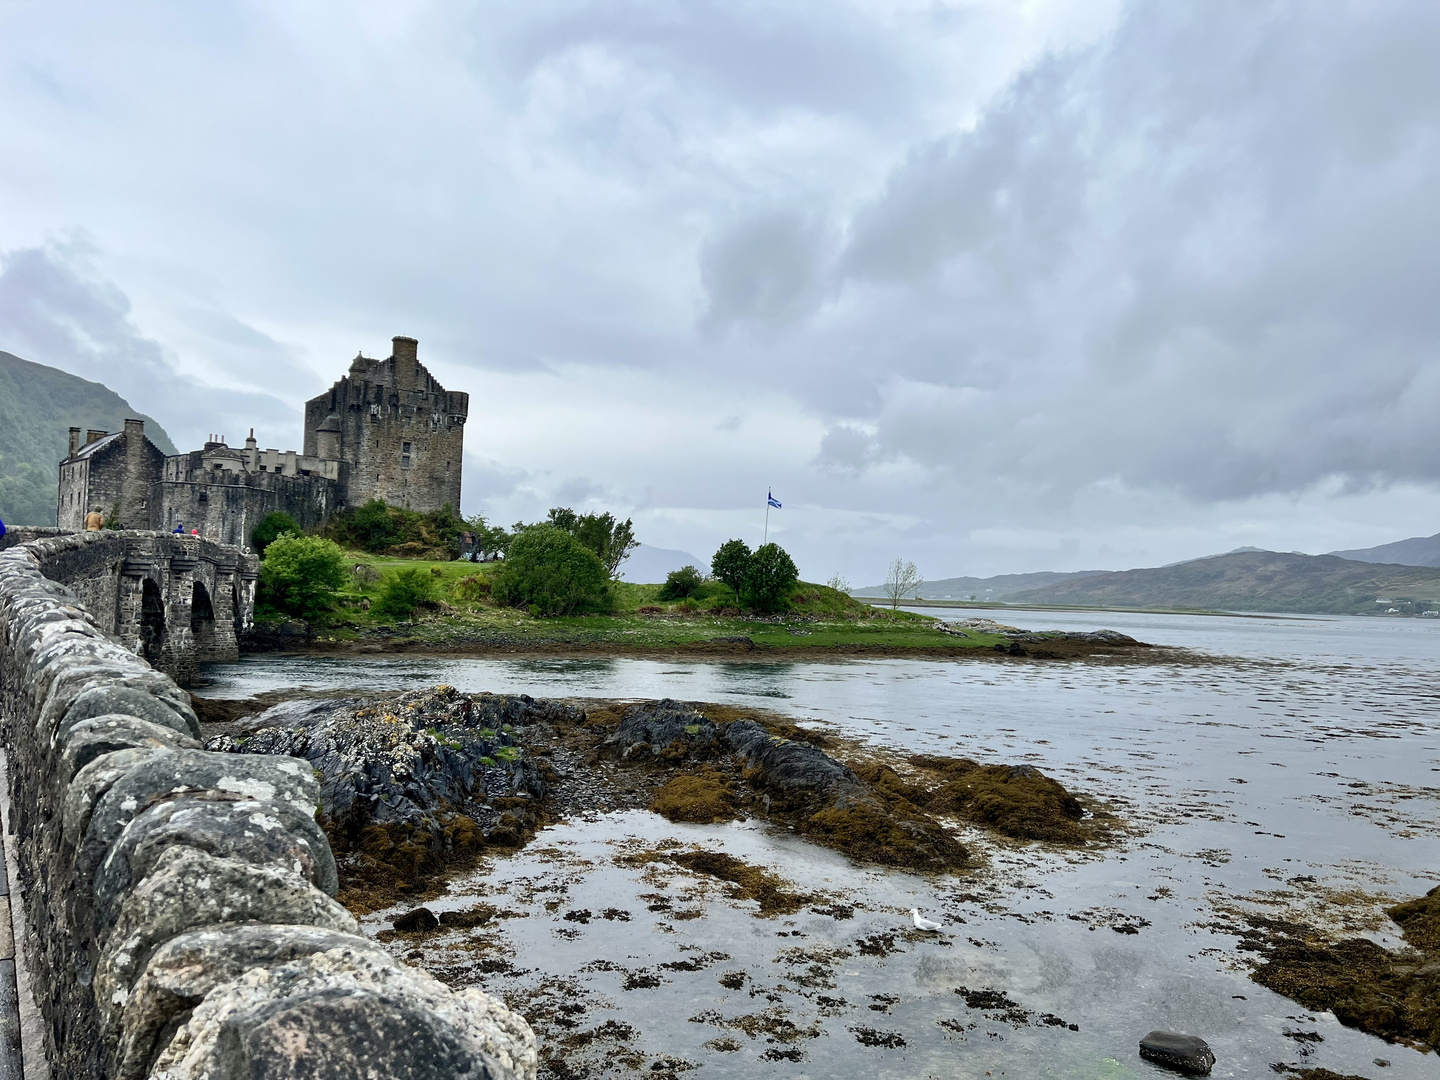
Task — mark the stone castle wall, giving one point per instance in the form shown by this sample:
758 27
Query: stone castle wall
179 903
226 506
399 430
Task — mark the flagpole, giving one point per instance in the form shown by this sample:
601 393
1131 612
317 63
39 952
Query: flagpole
767 519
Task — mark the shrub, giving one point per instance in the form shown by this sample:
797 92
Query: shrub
550 572
732 563
471 588
299 576
405 591
378 527
770 578
608 537
273 526
365 576
681 583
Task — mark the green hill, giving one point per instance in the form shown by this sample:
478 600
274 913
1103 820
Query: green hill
1256 581
38 406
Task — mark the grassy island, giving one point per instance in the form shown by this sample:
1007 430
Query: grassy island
460 611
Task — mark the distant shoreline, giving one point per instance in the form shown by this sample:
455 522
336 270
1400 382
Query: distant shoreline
1000 605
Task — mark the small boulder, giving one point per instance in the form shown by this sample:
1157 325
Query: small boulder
1186 1054
421 918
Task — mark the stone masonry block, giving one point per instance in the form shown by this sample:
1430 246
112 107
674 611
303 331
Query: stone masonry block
189 889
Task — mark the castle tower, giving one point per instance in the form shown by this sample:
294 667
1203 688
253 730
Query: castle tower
398 434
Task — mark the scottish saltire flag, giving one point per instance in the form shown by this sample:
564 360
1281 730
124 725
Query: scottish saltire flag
772 500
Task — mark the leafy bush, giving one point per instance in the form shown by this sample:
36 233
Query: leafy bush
273 526
731 564
406 591
610 539
770 578
550 572
474 587
681 583
299 576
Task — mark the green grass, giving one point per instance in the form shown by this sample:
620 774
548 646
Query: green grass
819 618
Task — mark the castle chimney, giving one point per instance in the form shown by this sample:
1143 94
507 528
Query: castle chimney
74 440
91 435
406 362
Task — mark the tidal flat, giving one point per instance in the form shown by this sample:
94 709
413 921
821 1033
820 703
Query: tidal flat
1299 773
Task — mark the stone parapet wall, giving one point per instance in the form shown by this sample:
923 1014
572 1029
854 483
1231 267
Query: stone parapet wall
180 920
178 600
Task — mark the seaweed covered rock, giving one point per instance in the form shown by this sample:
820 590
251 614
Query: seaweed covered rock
704 798
668 729
413 783
1017 800
832 805
797 774
1395 995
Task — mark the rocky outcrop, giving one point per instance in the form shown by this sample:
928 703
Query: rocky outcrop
411 784
180 904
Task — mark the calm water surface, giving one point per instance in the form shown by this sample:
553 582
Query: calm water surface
1312 752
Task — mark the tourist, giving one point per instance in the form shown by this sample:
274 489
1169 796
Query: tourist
94 520
179 528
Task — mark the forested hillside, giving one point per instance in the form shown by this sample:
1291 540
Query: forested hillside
38 406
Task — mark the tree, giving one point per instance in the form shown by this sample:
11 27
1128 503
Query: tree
901 580
299 576
273 526
548 570
770 578
405 591
681 583
609 538
838 583
731 563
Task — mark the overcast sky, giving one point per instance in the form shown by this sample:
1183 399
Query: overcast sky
996 286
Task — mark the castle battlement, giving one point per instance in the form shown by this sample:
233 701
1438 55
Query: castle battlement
387 430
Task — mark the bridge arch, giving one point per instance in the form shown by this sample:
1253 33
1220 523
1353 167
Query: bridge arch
152 621
202 620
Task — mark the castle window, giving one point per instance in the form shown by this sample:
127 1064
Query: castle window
405 455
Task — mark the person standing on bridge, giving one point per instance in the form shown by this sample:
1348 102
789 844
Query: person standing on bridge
94 520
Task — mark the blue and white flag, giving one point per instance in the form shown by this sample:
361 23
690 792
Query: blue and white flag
772 500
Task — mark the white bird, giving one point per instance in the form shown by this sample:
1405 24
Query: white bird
922 923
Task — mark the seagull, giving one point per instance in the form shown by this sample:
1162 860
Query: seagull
922 923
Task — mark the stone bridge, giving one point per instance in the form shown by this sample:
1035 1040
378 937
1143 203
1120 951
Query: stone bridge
176 600
176 914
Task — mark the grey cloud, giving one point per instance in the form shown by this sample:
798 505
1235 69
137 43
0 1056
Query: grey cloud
760 56
56 310
766 269
1162 267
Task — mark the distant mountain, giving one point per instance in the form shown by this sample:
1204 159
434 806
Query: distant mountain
38 406
649 565
1417 551
1255 581
1001 587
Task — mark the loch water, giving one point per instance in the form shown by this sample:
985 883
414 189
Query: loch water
1292 764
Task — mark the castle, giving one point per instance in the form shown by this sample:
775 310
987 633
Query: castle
387 430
